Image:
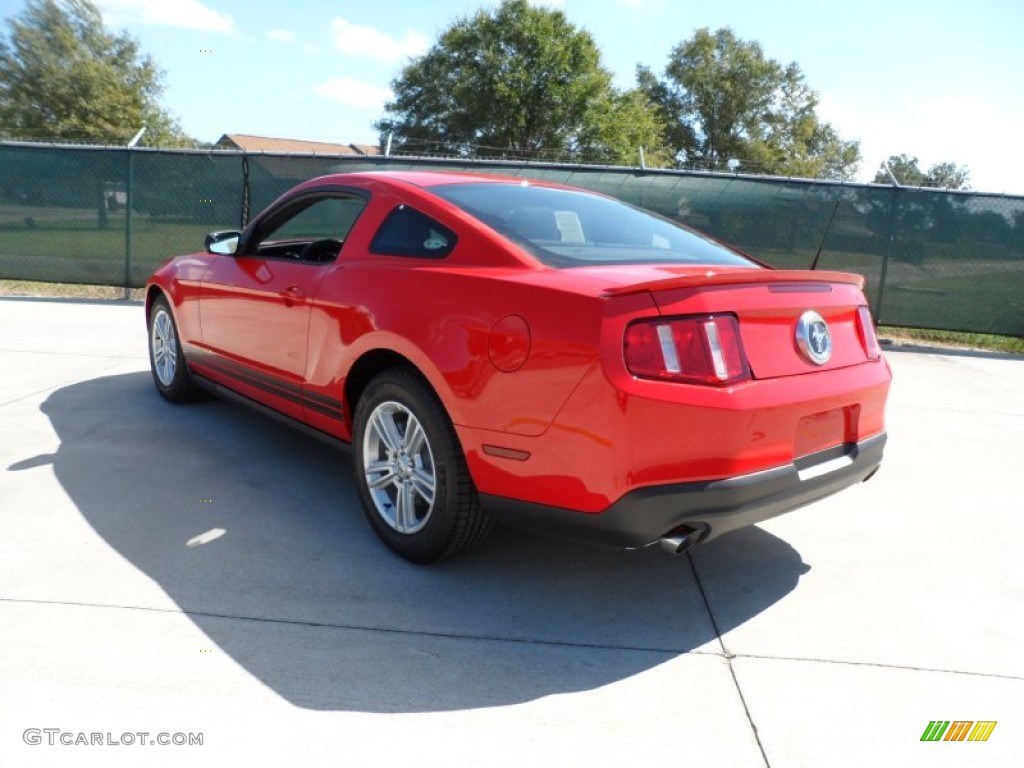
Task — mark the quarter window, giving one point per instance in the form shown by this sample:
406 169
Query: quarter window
407 232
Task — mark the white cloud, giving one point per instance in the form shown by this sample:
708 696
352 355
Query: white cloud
359 40
281 35
191 14
353 93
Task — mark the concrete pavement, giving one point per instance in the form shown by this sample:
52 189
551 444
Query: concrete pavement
201 569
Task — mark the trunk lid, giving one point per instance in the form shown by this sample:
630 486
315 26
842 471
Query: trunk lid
769 305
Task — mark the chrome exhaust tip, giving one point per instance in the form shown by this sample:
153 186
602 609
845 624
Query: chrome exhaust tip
680 540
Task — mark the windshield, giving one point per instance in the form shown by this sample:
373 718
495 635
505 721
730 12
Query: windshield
568 228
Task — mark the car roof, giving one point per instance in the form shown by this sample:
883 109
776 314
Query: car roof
427 179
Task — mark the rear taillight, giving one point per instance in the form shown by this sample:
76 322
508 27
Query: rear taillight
695 350
866 329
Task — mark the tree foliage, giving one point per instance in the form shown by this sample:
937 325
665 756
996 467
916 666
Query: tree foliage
726 106
517 79
908 173
64 76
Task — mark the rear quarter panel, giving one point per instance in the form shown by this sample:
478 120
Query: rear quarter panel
441 318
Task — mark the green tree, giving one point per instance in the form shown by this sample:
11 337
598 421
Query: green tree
903 168
64 76
520 80
949 176
726 106
619 126
909 174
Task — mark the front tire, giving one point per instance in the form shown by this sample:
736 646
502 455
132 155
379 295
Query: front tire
411 473
166 357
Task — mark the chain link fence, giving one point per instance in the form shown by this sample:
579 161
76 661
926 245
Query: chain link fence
943 260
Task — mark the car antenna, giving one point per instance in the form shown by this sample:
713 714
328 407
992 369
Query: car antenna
824 237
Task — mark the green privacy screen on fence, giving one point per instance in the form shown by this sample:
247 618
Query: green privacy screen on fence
932 259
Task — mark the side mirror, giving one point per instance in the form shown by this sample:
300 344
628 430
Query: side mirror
223 243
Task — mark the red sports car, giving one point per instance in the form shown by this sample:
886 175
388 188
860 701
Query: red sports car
493 348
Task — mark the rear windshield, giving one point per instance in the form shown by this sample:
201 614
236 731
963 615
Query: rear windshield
567 228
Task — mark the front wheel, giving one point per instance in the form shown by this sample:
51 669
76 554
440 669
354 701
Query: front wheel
166 357
411 472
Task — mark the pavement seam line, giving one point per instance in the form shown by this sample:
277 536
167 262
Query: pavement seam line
877 665
728 656
68 354
358 628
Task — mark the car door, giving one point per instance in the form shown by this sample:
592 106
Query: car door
255 304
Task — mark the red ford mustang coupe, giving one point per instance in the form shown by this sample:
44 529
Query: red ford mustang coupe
500 349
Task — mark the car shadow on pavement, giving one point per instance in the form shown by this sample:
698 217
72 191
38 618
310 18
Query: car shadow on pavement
256 533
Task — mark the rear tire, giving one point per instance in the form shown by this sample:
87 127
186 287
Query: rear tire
411 472
166 357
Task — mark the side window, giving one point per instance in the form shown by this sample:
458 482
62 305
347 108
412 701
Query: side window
407 232
312 230
330 217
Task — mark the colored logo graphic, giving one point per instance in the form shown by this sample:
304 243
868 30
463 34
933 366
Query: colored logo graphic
958 730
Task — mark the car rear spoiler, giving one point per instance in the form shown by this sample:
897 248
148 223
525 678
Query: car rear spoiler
738 277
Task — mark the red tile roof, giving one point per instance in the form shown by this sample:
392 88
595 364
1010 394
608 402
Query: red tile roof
270 144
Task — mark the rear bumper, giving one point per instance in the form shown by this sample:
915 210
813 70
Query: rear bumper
646 514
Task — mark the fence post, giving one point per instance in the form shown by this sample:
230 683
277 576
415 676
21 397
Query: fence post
128 225
893 206
128 214
243 219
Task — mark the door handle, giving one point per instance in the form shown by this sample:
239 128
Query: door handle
293 295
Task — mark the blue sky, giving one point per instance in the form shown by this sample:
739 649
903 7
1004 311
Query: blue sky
941 80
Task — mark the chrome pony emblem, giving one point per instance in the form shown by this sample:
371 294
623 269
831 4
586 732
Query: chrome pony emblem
813 337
